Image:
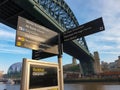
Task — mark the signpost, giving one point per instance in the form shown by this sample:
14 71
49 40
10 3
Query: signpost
84 30
36 37
45 43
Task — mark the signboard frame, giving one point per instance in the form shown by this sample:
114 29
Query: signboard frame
25 81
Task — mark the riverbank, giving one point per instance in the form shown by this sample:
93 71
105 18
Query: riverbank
92 80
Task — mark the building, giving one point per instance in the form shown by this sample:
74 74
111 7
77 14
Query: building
14 70
72 71
110 74
118 63
1 74
97 66
104 66
112 66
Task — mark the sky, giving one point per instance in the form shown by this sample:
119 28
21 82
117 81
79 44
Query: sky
107 43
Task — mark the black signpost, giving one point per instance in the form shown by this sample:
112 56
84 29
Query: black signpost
84 30
45 42
60 50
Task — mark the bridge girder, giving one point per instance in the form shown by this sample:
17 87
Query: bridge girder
56 12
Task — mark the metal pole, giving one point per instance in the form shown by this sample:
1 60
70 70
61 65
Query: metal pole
61 73
60 49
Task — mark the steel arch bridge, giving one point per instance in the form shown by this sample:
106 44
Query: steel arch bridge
54 14
61 12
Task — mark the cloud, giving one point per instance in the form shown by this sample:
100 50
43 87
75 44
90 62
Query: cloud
6 48
111 53
6 35
107 43
14 51
7 41
112 39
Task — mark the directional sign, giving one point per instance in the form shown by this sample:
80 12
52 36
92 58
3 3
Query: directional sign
84 30
36 37
38 54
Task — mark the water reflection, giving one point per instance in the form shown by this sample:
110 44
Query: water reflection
12 87
93 86
9 87
79 86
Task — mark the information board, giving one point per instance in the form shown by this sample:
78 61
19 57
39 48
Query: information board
42 76
33 36
39 75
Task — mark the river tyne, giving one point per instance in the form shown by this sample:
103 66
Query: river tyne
78 86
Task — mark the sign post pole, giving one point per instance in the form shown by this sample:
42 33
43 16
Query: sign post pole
60 49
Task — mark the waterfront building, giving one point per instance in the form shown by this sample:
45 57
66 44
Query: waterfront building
112 66
110 74
14 70
104 66
118 62
72 71
1 74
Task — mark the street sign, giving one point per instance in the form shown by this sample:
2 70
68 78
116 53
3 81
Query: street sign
84 30
38 54
36 37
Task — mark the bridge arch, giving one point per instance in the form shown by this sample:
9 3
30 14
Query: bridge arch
61 12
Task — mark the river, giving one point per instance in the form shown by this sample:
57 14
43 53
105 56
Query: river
79 86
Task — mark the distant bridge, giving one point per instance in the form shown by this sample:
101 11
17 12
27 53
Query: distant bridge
54 14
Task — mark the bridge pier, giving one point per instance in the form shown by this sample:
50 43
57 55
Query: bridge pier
87 67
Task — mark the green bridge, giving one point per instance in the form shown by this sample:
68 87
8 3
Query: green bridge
53 14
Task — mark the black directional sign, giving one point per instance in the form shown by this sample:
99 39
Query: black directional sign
36 37
38 54
84 30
